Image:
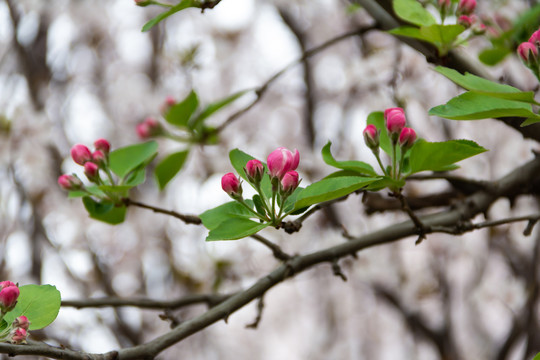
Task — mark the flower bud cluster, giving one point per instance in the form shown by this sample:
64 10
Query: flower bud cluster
150 127
17 332
529 53
400 137
281 164
92 163
464 12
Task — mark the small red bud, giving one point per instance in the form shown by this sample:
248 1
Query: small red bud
91 170
231 185
81 154
102 145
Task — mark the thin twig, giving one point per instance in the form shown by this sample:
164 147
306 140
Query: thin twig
188 219
422 230
260 91
260 308
209 299
276 250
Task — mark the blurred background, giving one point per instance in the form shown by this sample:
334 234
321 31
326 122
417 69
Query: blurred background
75 71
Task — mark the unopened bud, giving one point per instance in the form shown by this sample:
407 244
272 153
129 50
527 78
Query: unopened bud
535 38
289 183
528 52
18 336
466 7
8 298
150 127
231 185
21 322
254 171
395 121
407 138
282 160
91 170
102 145
81 154
167 104
371 137
69 182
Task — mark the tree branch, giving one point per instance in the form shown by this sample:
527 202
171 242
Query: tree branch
522 180
209 299
188 219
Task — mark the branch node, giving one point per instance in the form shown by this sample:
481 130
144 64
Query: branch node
337 270
291 226
529 228
260 308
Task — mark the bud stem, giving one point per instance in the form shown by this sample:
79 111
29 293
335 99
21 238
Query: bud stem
376 153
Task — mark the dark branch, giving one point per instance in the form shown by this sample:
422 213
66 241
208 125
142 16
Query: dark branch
188 219
209 299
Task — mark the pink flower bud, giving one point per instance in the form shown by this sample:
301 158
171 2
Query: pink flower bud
407 138
371 137
102 145
395 122
18 336
289 183
465 21
8 298
6 283
281 160
98 158
167 104
466 7
254 171
91 170
21 322
444 5
528 52
148 128
231 185
69 182
81 154
480 29
535 38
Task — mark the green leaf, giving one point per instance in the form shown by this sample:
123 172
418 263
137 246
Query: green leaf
329 189
169 167
180 113
377 118
184 4
472 106
291 200
213 217
239 160
104 211
124 160
259 206
412 11
494 56
442 36
438 156
215 106
236 228
39 303
486 87
353 165
537 357
385 182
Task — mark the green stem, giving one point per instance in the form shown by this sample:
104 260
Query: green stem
394 155
263 198
242 201
380 162
109 175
